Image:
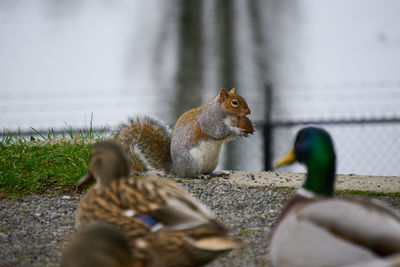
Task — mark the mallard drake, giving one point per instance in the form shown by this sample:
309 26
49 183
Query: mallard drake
315 229
164 224
98 245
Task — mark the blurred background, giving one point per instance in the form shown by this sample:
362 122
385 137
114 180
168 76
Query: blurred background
331 63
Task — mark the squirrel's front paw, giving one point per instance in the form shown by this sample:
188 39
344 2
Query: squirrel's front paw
239 131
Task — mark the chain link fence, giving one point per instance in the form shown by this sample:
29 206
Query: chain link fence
363 119
367 140
361 148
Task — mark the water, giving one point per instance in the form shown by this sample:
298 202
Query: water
62 61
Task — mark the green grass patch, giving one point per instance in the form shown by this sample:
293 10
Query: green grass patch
244 231
46 162
284 189
36 168
68 133
366 193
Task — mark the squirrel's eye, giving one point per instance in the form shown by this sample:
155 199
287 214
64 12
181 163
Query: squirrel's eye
235 103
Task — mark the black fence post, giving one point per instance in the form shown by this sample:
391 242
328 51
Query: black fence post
267 128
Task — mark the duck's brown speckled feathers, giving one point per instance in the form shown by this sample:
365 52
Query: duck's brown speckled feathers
164 224
98 245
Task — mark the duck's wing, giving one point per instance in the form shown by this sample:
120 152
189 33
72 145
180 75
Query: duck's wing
165 205
103 205
175 217
365 223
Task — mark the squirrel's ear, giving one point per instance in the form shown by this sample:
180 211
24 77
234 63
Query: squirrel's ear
223 95
233 91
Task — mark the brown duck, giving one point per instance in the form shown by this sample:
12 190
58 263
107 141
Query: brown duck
98 245
164 224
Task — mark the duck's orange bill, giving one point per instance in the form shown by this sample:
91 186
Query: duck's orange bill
289 158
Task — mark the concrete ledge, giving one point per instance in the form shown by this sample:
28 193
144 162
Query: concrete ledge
382 184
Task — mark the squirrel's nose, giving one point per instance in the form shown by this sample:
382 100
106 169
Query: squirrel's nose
246 111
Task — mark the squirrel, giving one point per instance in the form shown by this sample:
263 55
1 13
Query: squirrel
193 145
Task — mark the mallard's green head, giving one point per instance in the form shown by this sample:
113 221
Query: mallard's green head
314 148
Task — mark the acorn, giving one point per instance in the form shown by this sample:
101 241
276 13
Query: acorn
245 124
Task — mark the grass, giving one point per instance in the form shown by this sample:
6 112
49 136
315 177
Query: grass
178 180
244 231
45 163
366 193
26 168
284 189
89 132
51 163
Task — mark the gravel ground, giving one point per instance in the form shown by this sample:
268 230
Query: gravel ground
34 228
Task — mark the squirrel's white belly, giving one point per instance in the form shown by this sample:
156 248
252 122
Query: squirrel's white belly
206 154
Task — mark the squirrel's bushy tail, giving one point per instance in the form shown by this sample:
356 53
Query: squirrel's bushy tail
147 143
